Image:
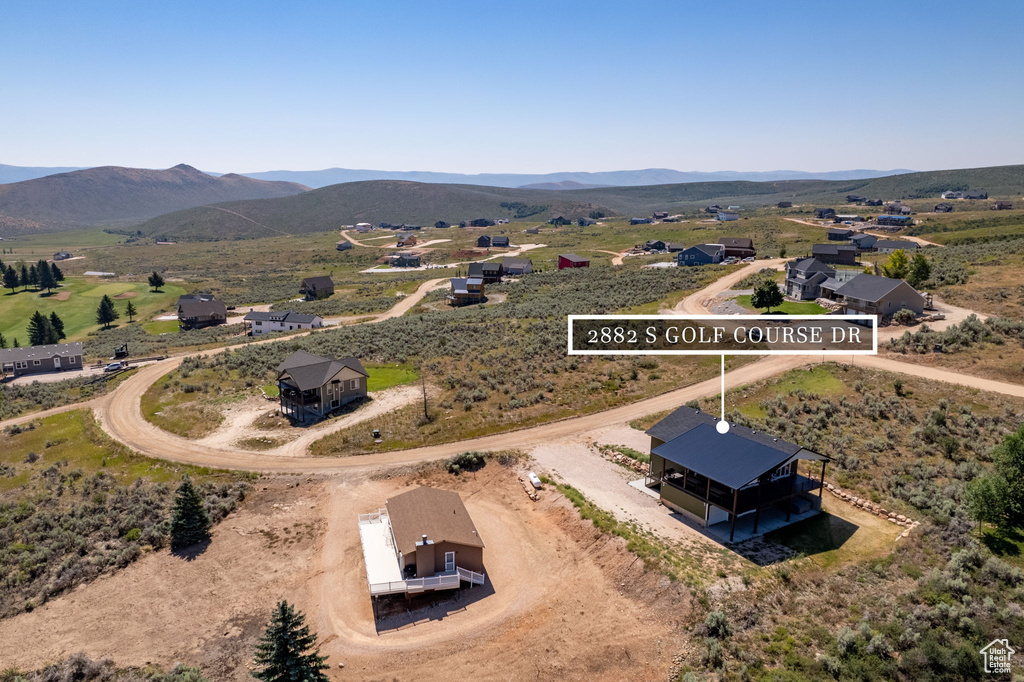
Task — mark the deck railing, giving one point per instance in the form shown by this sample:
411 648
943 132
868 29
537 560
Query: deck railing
441 581
379 516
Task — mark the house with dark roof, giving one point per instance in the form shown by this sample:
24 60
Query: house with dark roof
897 208
405 240
343 245
835 254
784 204
701 254
258 323
864 241
838 234
558 221
976 195
420 541
404 259
315 288
654 245
804 277
854 199
660 215
56 357
1002 206
516 266
584 222
196 311
824 213
727 215
489 271
741 478
571 260
738 247
943 208
62 255
483 241
713 208
874 295
311 386
890 245
640 221
500 242
466 290
894 220
481 222
873 202
674 247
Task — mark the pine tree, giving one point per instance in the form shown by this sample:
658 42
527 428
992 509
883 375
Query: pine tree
190 524
3 341
106 312
156 281
46 280
920 270
40 331
288 652
24 276
11 279
58 325
33 275
15 344
767 295
130 311
58 275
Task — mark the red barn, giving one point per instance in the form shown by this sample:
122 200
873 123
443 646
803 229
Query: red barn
571 260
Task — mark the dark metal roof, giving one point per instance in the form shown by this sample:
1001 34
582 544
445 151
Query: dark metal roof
809 265
515 262
737 242
727 458
832 249
191 307
499 241
39 352
710 249
896 244
485 268
868 287
309 371
281 316
573 258
317 283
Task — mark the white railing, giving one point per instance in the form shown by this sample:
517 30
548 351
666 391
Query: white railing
442 581
378 516
469 576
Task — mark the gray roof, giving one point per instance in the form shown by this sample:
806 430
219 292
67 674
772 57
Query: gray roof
810 265
317 283
573 258
190 307
896 244
287 316
8 355
499 241
460 285
515 262
310 371
832 249
710 249
868 287
737 242
830 283
480 269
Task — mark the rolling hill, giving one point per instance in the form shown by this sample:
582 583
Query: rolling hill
21 173
424 203
113 194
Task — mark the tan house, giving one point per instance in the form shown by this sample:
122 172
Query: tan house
422 540
56 357
873 295
196 311
311 386
466 290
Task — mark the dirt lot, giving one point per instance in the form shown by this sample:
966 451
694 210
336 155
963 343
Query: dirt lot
562 601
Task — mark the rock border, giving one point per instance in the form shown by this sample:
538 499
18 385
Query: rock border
872 508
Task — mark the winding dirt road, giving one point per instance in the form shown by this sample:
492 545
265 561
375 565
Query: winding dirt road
698 302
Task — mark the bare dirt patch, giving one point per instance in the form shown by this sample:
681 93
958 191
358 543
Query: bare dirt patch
127 294
61 296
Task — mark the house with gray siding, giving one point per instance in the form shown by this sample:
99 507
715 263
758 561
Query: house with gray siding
311 386
701 254
804 277
874 295
57 357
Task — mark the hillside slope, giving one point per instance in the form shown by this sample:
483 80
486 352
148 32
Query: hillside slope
115 194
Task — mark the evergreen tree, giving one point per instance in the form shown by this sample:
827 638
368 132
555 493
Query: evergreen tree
767 295
46 280
106 312
40 331
58 275
130 311
58 325
33 275
898 265
11 279
3 341
190 524
920 270
156 281
288 652
24 276
15 344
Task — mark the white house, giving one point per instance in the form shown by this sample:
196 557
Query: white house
280 321
727 214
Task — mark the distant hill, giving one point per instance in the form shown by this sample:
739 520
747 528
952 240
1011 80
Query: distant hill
21 173
113 194
564 184
424 203
624 178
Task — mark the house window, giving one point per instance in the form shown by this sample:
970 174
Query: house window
353 384
259 323
72 360
21 364
36 363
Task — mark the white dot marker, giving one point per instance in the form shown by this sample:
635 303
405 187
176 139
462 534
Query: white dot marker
722 426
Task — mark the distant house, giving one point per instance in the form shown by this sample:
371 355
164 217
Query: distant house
890 245
848 218
654 245
804 277
674 247
943 208
62 255
196 311
713 208
481 222
737 247
560 220
517 266
363 227
422 540
405 240
784 204
873 295
1002 206
501 221
388 226
571 260
873 202
500 242
894 220
489 271
863 241
660 215
838 234
466 290
535 230
483 241
975 195
854 199
311 386
824 213
343 245
952 195
640 221
727 214
411 227
701 254
835 254
897 208
404 259
738 479
315 288
586 222
257 323
57 357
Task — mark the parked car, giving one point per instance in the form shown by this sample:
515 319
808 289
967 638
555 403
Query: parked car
114 367
749 259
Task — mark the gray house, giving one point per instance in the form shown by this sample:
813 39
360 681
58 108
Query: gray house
804 277
890 245
57 357
404 259
500 242
863 241
873 295
517 266
196 311
701 254
489 271
838 234
838 254
311 386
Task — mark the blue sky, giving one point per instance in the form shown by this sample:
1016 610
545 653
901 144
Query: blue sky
512 87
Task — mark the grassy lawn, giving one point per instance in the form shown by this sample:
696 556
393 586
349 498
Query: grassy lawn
788 307
386 376
157 327
188 405
78 311
31 248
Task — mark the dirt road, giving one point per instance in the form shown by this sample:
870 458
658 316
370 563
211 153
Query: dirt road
697 302
904 237
616 256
